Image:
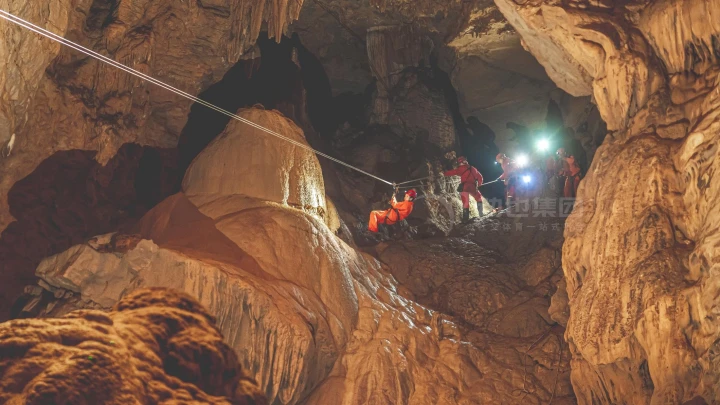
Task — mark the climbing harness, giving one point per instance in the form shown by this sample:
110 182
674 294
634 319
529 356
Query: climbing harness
57 38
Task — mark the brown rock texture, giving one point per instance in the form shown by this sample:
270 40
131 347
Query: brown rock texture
638 257
156 346
259 166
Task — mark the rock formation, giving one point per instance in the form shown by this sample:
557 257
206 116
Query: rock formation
55 99
155 346
120 108
638 258
315 321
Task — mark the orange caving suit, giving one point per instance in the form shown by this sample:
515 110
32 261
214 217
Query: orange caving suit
390 216
470 178
571 171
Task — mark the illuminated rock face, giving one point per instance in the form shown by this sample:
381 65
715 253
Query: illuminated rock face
315 322
59 102
639 253
247 163
155 346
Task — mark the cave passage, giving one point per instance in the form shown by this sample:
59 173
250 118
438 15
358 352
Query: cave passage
273 80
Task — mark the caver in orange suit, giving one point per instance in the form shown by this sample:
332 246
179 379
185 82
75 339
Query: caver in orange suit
470 179
398 212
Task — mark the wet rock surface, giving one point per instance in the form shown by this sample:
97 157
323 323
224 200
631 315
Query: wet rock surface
155 346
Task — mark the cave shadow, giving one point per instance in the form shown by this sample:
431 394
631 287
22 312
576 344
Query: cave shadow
286 77
69 198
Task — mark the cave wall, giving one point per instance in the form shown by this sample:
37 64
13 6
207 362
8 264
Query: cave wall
74 194
638 253
57 94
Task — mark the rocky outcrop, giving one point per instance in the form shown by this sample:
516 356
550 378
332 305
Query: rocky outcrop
590 53
404 96
484 284
305 329
638 258
155 346
81 124
258 165
315 321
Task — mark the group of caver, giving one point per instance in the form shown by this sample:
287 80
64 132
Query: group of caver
562 166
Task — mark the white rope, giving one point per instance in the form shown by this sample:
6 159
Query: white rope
412 181
489 182
50 35
424 178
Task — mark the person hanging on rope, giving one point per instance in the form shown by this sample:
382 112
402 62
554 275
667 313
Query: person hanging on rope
508 177
470 180
570 170
395 214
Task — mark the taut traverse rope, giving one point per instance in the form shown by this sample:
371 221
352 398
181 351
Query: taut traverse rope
50 35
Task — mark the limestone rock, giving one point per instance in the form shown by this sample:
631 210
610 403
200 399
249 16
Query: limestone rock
404 96
155 346
395 344
638 258
473 284
61 90
247 162
253 323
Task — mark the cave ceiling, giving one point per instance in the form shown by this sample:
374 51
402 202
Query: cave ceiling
496 79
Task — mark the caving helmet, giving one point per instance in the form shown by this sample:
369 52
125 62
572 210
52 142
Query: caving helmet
561 152
412 193
500 157
462 160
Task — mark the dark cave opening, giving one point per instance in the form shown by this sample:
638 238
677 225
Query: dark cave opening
286 77
69 198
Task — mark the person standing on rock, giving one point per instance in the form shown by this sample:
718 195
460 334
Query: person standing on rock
398 212
470 180
571 171
508 177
